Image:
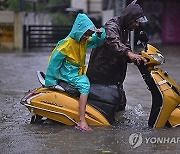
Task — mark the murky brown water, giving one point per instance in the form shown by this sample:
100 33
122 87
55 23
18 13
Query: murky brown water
17 135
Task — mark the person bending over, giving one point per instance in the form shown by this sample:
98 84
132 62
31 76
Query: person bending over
108 62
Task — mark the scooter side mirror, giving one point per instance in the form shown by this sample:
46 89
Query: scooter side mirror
143 39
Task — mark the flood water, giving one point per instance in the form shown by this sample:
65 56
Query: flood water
17 135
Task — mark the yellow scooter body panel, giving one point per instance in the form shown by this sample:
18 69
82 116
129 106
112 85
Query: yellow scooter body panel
62 108
171 99
174 118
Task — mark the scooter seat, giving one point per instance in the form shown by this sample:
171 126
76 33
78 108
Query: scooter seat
69 88
62 85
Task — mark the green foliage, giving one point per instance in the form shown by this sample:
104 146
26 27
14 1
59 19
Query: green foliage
41 5
62 2
15 5
62 19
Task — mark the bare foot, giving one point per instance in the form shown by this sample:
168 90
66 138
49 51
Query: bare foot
84 126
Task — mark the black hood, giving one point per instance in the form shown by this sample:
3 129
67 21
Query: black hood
130 14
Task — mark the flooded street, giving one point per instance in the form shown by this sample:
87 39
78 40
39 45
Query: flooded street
17 135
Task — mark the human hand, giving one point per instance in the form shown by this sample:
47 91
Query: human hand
136 58
98 32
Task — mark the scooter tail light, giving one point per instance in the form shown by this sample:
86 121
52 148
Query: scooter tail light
27 98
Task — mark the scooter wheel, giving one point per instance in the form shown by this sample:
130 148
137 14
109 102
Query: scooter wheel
36 119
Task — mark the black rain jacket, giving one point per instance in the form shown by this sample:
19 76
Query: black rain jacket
108 62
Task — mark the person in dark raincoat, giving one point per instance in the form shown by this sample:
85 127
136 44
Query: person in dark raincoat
108 62
67 61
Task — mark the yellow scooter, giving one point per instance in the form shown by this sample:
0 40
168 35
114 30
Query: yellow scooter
165 91
61 104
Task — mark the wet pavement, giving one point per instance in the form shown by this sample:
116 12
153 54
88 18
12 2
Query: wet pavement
17 135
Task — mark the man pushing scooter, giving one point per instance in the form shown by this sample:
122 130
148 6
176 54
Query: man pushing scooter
108 62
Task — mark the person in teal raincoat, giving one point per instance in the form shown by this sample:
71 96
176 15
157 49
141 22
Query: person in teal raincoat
67 60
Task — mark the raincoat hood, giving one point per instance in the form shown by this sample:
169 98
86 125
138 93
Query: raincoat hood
80 26
131 13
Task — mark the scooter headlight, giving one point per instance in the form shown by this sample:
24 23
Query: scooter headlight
158 57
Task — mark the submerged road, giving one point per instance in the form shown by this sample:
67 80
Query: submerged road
17 135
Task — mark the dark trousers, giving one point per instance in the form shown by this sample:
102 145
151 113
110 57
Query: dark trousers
112 94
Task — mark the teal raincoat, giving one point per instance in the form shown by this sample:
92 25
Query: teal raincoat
67 60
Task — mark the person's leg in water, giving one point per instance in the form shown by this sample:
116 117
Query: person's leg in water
82 108
83 85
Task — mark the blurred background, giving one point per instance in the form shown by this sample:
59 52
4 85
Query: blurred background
26 25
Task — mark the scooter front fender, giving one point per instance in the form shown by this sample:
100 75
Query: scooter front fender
169 91
174 119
